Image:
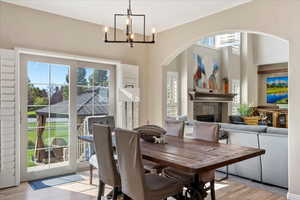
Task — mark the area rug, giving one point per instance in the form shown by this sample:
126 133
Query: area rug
50 182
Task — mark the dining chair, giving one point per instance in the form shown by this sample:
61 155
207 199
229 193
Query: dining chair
89 121
150 166
203 131
135 183
174 128
106 164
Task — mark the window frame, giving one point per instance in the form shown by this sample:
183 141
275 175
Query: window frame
172 74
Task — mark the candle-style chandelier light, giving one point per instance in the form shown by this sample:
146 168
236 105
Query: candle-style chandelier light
129 30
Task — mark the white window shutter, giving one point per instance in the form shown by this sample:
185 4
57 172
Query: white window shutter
7 118
127 111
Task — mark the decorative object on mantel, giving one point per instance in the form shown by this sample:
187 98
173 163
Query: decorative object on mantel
129 29
152 133
210 96
226 85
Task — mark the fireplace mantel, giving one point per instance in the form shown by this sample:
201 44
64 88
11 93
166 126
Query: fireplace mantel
208 97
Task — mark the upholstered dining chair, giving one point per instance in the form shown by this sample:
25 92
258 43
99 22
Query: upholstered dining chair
89 121
203 131
106 165
174 128
150 166
135 183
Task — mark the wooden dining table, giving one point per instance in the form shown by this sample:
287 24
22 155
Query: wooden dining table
194 155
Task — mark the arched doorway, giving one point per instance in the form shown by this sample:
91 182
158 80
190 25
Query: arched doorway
266 67
279 19
268 57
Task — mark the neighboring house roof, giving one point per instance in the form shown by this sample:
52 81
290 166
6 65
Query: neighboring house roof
88 103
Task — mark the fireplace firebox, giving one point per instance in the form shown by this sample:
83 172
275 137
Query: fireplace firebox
205 118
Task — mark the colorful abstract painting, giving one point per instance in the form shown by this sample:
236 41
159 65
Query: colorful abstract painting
277 90
206 76
200 75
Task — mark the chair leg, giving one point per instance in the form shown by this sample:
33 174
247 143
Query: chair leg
212 190
115 193
100 189
91 174
126 197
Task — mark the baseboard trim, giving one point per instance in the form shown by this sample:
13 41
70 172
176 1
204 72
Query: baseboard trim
291 196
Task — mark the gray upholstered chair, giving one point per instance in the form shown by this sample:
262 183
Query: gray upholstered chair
135 183
203 131
107 168
174 128
150 166
106 120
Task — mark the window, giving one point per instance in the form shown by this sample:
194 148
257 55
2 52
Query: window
230 39
223 40
172 94
208 42
235 89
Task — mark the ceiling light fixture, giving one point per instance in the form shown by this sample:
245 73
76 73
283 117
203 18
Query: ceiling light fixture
130 38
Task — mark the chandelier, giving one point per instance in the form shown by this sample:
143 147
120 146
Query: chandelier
130 38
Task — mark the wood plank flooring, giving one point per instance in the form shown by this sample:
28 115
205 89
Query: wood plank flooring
226 190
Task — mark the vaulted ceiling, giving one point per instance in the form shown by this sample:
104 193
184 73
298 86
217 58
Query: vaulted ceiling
161 14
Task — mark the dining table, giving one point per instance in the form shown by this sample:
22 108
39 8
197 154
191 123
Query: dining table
194 156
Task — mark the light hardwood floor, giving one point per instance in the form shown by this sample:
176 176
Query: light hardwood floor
226 190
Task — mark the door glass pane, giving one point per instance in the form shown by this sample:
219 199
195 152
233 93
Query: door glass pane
59 74
92 100
38 94
38 72
33 112
47 115
85 76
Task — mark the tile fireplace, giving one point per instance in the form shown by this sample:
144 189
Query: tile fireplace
210 107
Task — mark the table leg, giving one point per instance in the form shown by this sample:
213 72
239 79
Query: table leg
227 167
197 190
226 176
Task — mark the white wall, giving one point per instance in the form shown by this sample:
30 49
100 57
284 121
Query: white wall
184 78
231 64
248 71
269 50
231 69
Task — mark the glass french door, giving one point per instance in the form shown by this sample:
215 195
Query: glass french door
57 95
95 94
